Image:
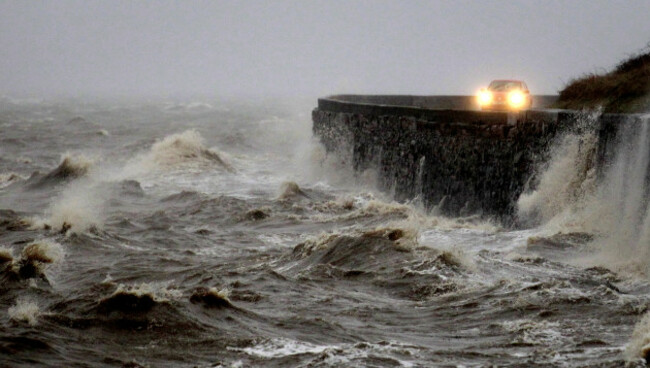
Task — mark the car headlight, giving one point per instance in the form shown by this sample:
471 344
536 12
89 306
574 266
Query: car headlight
484 97
516 98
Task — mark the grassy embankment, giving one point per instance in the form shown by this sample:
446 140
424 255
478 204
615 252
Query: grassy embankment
626 89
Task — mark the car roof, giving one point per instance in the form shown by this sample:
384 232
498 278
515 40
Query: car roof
507 80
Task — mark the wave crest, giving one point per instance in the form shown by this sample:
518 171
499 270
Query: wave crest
7 179
138 298
212 297
6 255
290 190
45 251
34 259
25 311
183 148
32 263
71 167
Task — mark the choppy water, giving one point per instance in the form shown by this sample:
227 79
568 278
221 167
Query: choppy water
220 235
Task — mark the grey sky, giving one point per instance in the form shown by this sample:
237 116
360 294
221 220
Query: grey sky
308 48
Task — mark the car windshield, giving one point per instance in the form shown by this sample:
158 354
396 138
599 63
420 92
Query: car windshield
501 86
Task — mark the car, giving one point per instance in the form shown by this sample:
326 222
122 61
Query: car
505 95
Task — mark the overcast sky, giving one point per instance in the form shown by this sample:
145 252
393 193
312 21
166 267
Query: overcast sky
308 48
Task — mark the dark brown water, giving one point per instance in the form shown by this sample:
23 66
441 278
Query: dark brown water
194 235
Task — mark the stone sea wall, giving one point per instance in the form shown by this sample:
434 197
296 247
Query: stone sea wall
460 162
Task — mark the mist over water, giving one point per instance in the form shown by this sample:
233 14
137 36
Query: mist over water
221 234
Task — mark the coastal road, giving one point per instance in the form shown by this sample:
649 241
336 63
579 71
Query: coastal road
433 102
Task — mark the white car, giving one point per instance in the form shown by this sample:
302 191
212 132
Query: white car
505 95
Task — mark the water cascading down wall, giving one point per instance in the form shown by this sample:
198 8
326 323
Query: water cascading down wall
441 149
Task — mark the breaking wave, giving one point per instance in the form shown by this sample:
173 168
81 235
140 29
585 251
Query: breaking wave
290 190
353 255
71 167
183 148
10 178
303 273
211 298
380 254
34 259
25 311
44 251
609 202
138 298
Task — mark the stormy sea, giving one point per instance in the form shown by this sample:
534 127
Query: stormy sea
221 234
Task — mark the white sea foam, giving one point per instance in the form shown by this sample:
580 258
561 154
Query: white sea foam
25 311
335 354
639 346
416 218
536 332
280 347
158 291
276 240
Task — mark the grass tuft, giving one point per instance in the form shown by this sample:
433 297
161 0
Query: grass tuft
626 89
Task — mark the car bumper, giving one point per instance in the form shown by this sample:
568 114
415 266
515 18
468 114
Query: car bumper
505 106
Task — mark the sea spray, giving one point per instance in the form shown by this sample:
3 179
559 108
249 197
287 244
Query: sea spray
639 346
567 178
79 208
25 311
391 304
611 204
620 210
419 183
335 167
